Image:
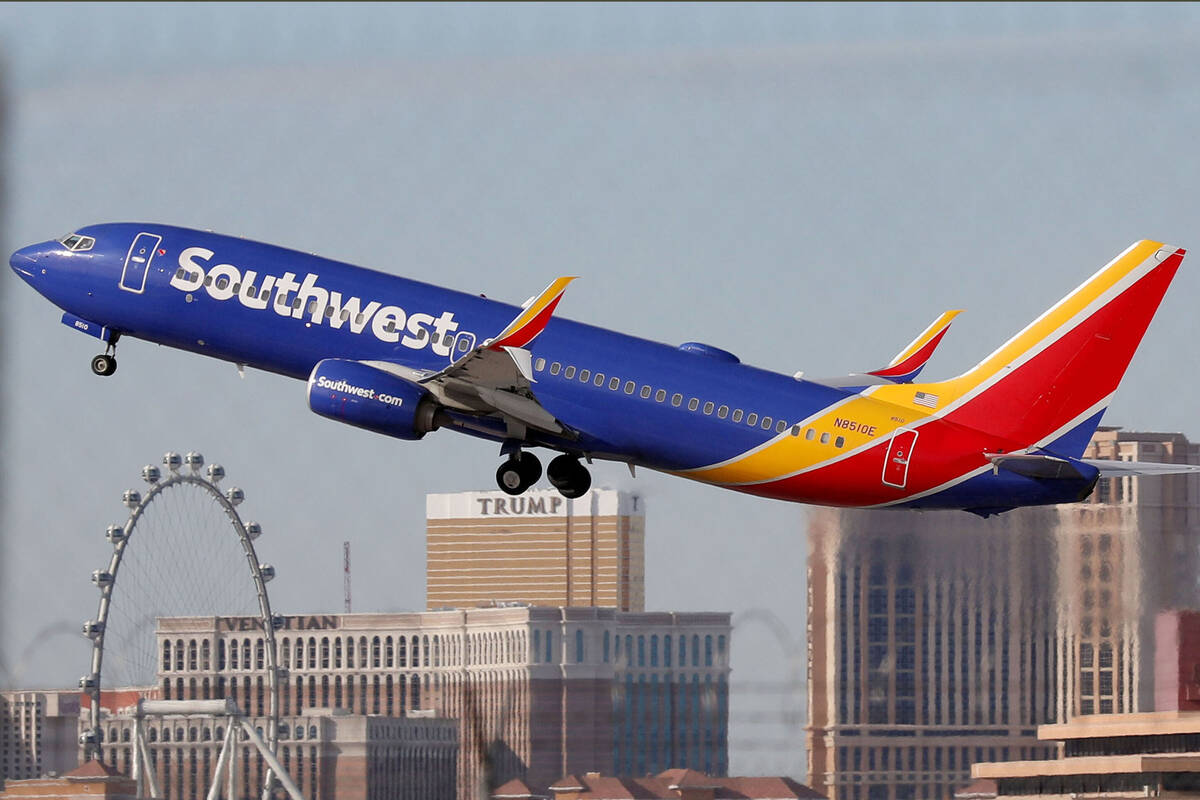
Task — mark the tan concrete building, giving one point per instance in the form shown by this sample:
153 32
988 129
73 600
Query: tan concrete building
1128 552
38 731
938 640
530 693
1106 756
931 646
328 753
90 781
540 548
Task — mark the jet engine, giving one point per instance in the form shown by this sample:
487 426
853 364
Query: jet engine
367 397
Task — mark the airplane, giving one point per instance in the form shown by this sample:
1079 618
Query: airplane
403 358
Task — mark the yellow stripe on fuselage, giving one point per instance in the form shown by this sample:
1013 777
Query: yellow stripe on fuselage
880 410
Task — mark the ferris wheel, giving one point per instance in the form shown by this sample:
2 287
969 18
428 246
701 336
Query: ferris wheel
184 551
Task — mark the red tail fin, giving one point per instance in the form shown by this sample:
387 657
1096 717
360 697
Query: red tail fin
1059 373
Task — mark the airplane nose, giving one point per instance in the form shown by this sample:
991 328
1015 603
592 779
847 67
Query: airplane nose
24 261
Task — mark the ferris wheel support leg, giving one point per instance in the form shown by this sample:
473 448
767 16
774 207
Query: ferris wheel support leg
214 791
292 790
147 770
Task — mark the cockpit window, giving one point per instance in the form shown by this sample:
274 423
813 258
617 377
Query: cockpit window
76 243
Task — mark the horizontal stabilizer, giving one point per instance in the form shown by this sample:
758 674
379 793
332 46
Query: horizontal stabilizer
1117 469
1038 466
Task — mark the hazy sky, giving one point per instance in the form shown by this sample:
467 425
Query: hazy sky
807 186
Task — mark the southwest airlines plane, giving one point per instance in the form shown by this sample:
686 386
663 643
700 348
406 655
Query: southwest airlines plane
403 358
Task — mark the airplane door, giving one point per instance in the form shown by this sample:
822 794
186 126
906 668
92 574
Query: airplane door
899 453
137 262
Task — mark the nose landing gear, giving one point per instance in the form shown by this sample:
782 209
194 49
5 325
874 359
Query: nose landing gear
105 364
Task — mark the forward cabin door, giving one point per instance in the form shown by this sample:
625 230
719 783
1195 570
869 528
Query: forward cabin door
137 262
899 453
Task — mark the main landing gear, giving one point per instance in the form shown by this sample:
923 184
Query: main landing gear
106 364
522 470
571 478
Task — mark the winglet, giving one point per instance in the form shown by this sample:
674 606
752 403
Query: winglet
531 321
909 362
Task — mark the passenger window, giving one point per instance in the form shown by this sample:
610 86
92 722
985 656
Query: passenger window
629 387
584 374
208 282
614 384
599 379
569 373
795 430
708 408
737 415
824 438
539 365
345 312
312 305
808 434
236 286
358 319
251 290
179 273
328 311
222 282
660 395
766 423
645 392
693 404
752 419
391 326
555 367
676 399
838 442
780 426
723 412
464 345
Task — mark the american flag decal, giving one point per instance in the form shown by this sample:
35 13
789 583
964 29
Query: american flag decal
926 399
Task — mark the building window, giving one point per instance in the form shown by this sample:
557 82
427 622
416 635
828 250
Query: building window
606 646
578 646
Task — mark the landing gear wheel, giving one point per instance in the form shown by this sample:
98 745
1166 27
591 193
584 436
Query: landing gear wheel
571 478
518 473
104 364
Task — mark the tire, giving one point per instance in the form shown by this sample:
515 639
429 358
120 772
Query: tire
571 478
104 365
509 478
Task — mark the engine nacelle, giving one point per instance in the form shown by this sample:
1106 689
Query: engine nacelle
366 397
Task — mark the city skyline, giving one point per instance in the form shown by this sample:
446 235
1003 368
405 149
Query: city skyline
803 185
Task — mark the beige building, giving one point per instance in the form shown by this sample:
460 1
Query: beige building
1106 756
931 646
327 753
937 640
539 548
528 692
38 731
1128 552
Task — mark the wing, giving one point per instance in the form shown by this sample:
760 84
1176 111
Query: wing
496 377
907 364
